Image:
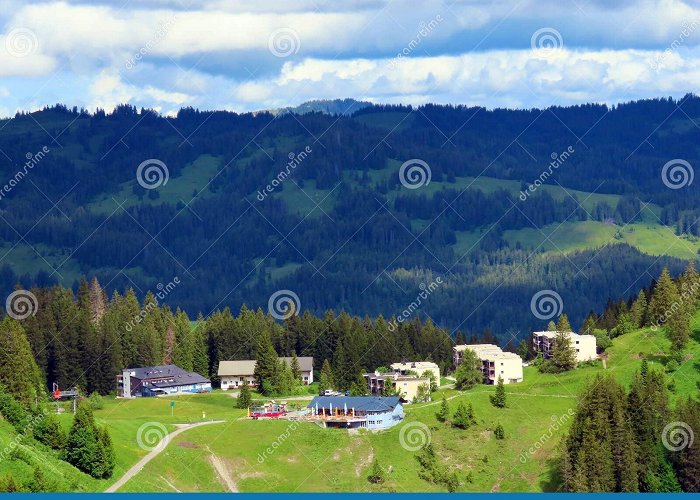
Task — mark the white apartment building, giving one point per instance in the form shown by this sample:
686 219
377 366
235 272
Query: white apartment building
495 363
585 345
419 367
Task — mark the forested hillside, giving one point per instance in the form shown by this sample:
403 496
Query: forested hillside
339 228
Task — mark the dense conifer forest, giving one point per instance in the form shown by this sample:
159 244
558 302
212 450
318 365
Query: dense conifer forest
341 230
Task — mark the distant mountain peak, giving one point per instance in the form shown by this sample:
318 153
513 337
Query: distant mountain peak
343 107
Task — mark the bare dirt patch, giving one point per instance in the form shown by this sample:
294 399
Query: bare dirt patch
187 444
223 474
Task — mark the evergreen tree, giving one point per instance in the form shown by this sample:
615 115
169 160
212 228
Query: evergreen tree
326 379
244 399
376 475
89 448
464 416
443 414
296 371
359 386
563 324
551 326
563 354
662 300
266 365
498 399
19 372
638 311
499 432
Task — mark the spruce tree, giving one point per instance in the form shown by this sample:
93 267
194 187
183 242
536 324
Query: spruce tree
294 366
563 324
662 300
443 414
244 399
498 399
89 448
464 416
638 311
18 370
266 365
325 381
563 353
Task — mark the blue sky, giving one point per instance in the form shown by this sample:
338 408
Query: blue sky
242 55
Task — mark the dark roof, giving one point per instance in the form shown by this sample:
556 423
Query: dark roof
186 379
360 403
173 375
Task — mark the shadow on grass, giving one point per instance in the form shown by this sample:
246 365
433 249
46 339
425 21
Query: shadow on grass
552 480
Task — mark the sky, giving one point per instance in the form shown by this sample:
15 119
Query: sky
243 55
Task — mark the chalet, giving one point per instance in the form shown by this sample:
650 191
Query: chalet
234 374
159 380
352 412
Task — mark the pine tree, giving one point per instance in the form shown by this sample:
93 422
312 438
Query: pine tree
266 365
326 379
18 371
551 326
662 300
464 416
443 414
563 324
499 432
498 399
244 399
638 311
589 324
376 475
563 353
296 371
89 448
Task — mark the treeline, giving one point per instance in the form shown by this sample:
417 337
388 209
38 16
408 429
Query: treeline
87 339
632 440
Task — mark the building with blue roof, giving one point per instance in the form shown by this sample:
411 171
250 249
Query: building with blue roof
354 412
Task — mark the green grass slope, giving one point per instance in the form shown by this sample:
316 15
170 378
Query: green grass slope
287 456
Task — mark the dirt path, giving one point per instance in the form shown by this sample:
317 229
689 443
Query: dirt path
155 452
223 473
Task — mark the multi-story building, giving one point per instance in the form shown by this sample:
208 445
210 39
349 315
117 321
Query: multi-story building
158 381
383 384
585 345
418 367
233 374
495 363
